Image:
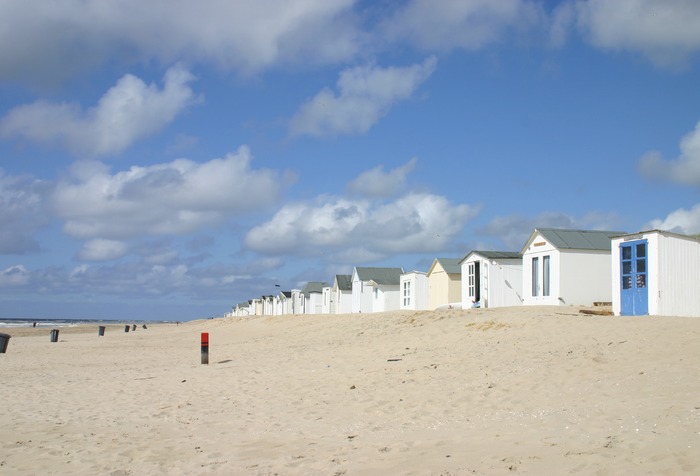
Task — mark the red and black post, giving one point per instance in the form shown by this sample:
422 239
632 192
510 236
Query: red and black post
205 348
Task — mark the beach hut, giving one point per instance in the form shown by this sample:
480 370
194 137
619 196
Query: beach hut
282 303
328 306
313 297
297 302
656 272
375 289
256 307
414 290
242 309
445 283
342 289
268 305
567 267
492 279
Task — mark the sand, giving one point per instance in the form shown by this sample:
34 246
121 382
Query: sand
483 391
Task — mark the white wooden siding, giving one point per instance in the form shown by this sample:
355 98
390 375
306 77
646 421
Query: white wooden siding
418 283
577 277
673 274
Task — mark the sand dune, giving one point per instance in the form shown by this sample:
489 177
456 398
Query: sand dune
518 390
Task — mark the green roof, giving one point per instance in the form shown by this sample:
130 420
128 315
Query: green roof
576 239
386 276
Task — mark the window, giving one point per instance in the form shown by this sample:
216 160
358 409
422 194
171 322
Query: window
471 281
535 276
406 293
545 275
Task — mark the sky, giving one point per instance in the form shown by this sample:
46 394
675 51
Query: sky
170 159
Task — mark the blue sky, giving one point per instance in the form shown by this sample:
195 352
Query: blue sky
169 159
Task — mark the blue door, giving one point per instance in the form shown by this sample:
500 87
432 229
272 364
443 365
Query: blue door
634 297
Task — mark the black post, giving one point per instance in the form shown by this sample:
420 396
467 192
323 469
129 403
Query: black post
4 340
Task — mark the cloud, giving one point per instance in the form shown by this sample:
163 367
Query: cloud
680 221
365 94
666 32
129 111
361 230
466 24
14 276
138 280
376 183
102 250
165 199
561 21
514 230
47 41
22 213
685 169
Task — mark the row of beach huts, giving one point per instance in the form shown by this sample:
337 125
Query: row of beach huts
647 273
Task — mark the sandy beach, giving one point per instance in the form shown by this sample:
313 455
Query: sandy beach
504 391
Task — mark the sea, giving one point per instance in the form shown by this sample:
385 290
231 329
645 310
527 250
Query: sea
14 323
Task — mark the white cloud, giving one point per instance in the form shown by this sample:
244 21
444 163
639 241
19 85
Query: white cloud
685 169
680 221
129 111
467 24
562 19
365 94
102 250
165 199
665 31
514 230
22 213
376 183
14 276
46 40
353 230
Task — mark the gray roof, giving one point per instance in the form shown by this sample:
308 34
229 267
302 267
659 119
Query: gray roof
286 294
494 255
695 237
313 287
576 239
450 265
387 276
344 282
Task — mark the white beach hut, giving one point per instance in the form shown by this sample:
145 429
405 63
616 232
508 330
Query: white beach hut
242 309
342 289
268 303
313 297
567 267
297 302
375 289
492 279
328 306
414 290
656 272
